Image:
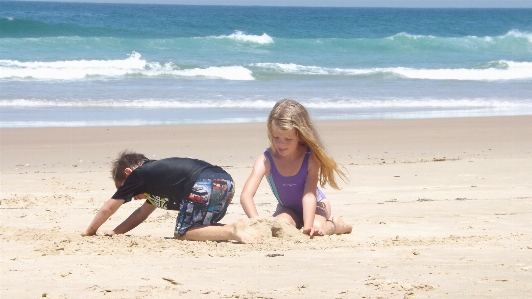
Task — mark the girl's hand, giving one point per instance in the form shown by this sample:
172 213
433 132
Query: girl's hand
109 233
312 231
308 231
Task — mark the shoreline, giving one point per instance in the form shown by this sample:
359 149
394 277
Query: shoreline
317 116
440 208
181 140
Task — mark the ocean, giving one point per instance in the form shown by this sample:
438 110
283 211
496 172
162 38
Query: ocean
83 64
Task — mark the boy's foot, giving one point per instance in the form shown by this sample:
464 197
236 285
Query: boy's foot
244 233
341 227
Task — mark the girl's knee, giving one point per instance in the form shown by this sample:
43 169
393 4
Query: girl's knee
286 217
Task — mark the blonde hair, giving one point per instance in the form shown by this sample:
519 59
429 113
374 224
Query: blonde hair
288 114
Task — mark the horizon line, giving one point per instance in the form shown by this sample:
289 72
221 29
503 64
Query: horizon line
295 5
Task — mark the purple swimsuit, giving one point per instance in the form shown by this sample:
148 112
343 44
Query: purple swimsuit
289 190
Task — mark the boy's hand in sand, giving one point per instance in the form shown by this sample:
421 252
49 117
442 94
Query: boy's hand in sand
87 233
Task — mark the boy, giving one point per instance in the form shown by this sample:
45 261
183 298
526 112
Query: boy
200 191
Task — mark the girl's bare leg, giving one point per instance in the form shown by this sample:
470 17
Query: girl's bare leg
340 226
323 212
330 224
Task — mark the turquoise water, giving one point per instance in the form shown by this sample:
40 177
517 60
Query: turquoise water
80 64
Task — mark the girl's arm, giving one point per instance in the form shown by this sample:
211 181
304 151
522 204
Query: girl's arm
309 198
108 209
136 218
251 186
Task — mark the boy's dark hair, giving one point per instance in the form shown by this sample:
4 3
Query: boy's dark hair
126 159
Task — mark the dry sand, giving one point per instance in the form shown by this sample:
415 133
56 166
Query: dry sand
441 208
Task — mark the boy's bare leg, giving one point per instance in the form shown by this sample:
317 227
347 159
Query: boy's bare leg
239 231
245 233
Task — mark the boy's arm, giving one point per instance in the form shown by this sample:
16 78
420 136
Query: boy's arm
108 209
134 219
251 186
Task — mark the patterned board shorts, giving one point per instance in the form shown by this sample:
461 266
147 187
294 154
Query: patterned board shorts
207 203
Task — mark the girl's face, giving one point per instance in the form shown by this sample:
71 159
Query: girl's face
284 141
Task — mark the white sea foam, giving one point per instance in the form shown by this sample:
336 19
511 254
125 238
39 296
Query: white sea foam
514 71
296 69
504 70
512 34
242 37
319 104
223 72
409 36
70 70
142 103
519 34
226 72
127 122
134 65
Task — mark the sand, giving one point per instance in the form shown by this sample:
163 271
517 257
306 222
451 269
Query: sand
441 208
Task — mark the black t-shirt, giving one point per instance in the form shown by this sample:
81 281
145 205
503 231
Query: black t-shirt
171 178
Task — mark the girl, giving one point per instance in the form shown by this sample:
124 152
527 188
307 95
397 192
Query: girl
293 165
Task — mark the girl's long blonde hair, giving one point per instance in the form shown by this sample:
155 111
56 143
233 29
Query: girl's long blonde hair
288 114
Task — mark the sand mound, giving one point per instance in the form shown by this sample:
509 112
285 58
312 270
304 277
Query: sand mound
272 227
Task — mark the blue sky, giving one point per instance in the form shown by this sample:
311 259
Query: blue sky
337 3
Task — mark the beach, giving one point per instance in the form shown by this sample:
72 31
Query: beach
427 110
441 208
